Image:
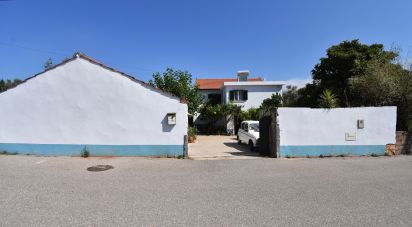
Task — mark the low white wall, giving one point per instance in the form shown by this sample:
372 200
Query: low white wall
327 127
83 103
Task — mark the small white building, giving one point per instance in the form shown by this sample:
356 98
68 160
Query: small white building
83 104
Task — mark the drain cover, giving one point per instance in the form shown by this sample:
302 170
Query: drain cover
99 168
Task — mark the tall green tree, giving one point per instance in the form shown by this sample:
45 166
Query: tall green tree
344 62
179 83
387 84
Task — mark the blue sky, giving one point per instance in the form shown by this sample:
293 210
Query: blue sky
277 40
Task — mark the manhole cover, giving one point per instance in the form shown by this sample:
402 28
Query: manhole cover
99 168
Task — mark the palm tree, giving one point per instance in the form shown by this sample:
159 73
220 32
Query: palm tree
328 100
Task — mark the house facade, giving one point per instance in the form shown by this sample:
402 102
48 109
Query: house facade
83 104
247 92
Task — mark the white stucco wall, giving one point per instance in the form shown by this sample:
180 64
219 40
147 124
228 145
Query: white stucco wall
305 126
256 94
83 103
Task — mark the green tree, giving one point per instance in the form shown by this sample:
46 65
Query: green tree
290 96
328 100
379 85
212 113
274 101
344 62
387 84
180 84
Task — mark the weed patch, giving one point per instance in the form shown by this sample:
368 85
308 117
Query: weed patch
7 153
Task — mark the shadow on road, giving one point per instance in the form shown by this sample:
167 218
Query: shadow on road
242 150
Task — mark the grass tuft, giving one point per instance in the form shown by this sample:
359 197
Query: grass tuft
84 153
7 153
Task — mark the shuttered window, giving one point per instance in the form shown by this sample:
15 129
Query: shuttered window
238 95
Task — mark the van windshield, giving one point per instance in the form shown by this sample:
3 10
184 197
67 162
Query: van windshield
254 127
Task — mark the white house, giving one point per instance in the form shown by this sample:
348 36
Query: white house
83 104
243 91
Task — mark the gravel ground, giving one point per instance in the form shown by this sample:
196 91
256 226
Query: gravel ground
56 191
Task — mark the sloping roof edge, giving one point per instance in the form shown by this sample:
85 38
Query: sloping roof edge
91 60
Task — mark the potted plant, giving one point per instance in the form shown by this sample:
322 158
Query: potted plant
191 134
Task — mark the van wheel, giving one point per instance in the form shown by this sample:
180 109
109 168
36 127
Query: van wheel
239 141
251 147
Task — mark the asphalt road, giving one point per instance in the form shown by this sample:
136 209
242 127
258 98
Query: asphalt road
367 191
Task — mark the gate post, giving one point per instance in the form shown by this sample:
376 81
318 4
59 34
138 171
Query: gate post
274 139
185 147
277 133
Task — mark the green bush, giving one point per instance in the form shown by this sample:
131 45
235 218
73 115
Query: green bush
250 114
7 153
192 132
84 153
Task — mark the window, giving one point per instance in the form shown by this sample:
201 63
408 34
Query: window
214 98
238 95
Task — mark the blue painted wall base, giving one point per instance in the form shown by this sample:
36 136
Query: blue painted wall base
331 150
95 150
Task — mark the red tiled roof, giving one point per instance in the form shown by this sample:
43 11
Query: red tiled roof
212 84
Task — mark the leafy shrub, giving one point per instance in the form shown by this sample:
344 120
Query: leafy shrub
7 153
84 153
273 102
192 131
328 100
250 114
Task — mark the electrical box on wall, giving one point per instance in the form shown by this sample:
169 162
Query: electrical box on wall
350 136
171 118
361 124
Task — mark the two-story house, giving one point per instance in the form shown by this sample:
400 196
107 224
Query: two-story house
245 91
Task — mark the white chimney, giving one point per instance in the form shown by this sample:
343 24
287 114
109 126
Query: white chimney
242 75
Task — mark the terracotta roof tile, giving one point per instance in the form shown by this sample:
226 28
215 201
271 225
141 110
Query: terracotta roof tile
213 84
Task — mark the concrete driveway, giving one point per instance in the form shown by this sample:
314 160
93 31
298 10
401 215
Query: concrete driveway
219 147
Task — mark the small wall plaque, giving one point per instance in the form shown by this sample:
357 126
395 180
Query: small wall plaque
350 136
171 118
361 124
